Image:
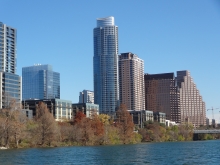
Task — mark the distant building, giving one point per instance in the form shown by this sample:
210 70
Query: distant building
61 109
86 96
207 122
160 117
87 108
213 123
139 117
131 81
170 123
28 113
40 82
10 83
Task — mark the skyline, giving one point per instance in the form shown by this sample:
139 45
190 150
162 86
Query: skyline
169 36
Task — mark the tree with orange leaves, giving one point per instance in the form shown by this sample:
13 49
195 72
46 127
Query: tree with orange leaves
79 116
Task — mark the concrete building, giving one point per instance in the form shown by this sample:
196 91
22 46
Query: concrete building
10 83
40 82
28 113
191 104
105 65
87 108
161 95
131 81
61 109
86 96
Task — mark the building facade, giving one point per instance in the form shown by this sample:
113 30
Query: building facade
192 106
105 65
87 108
177 96
10 83
86 96
161 95
8 44
61 109
131 81
40 82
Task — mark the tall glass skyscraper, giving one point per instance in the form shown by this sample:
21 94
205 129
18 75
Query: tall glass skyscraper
105 65
10 83
40 82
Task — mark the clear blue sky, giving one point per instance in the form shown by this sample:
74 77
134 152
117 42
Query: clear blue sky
168 35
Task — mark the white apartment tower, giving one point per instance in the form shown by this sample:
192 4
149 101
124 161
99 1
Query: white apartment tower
131 81
86 96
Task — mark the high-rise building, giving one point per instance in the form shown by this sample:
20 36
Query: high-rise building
105 65
10 83
131 81
192 106
86 96
8 36
161 95
177 96
40 82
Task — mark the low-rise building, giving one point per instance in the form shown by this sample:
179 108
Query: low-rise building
61 109
160 117
28 113
87 108
140 117
170 123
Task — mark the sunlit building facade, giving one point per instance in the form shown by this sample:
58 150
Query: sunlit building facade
105 65
10 83
192 106
131 81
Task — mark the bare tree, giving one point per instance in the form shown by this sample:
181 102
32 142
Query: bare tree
125 124
47 130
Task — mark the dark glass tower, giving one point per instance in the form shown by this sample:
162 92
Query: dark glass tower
105 65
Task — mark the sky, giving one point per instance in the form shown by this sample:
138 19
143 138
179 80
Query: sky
168 35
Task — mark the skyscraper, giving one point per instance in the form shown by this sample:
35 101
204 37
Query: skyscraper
105 65
192 106
131 81
161 95
8 36
40 82
177 96
10 83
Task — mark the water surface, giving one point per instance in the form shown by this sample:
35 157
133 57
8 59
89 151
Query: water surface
194 152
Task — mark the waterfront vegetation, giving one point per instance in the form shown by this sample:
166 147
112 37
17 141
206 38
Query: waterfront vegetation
16 131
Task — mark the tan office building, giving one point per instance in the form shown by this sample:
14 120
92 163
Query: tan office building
178 97
131 81
191 104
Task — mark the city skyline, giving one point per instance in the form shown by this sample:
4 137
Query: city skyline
168 36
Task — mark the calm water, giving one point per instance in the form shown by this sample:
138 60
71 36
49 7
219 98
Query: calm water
195 152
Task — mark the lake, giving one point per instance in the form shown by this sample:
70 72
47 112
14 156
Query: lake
193 152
